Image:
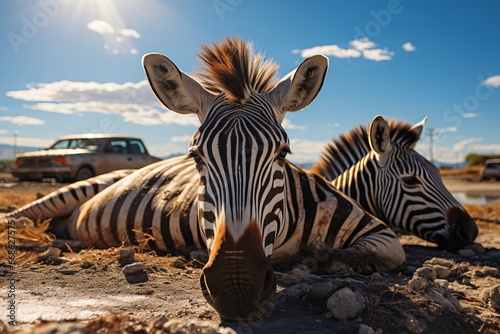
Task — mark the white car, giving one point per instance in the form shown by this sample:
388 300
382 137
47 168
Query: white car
78 157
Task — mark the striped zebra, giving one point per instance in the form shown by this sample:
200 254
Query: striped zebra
379 168
235 194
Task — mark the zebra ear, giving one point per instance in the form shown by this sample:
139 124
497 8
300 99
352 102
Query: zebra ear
296 90
418 129
174 88
379 136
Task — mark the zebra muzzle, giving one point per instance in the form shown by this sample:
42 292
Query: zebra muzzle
238 280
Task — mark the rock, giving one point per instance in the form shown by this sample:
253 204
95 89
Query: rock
418 284
441 271
300 273
321 290
194 326
86 265
127 256
427 273
364 329
134 268
376 277
476 248
346 304
466 252
438 261
491 296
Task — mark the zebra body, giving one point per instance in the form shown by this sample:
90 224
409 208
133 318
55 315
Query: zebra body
378 167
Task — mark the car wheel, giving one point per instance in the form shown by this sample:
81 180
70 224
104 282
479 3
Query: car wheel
83 173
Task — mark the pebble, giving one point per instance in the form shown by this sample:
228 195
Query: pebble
364 329
321 290
466 252
418 284
376 277
127 255
476 248
195 326
441 271
427 273
346 304
438 261
134 268
491 296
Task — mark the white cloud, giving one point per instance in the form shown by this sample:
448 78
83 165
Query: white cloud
331 50
287 124
378 54
304 150
3 108
361 47
362 44
181 139
101 27
22 120
448 129
461 145
4 131
493 81
408 47
470 115
130 33
135 102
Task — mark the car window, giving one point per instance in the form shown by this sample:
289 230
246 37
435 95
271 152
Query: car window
116 146
80 143
60 144
136 147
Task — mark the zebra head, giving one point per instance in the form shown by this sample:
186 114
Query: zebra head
239 150
412 195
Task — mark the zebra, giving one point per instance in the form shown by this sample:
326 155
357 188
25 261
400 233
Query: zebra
378 167
235 194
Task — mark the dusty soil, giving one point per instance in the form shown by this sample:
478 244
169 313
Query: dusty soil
88 291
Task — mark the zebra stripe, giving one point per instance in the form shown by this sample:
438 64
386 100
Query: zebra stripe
395 183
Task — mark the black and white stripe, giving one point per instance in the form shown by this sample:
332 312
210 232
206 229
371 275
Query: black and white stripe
379 168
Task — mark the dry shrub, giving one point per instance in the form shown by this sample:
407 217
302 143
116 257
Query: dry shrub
29 237
485 212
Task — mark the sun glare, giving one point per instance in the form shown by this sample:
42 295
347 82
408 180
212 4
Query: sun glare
104 17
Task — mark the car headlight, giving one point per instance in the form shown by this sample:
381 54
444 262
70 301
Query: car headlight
60 161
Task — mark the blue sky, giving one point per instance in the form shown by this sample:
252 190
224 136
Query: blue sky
74 66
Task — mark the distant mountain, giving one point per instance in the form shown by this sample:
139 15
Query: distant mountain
7 151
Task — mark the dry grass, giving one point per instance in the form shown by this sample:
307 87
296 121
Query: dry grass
29 238
485 212
467 172
17 197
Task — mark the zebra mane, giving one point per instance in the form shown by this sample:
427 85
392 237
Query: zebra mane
233 69
345 151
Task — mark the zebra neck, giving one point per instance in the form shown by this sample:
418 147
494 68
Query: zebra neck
359 182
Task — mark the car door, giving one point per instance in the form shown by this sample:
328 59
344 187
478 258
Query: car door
116 155
137 154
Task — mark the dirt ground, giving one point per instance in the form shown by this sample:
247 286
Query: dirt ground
90 291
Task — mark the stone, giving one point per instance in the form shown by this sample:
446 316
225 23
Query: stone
441 271
365 329
427 273
321 290
127 255
134 268
195 326
346 304
491 296
466 252
418 284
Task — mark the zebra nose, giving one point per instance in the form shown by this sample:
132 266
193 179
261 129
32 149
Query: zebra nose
463 230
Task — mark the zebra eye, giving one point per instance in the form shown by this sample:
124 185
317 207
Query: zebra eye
410 181
284 151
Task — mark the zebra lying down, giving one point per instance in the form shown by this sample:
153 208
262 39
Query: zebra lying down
378 167
235 194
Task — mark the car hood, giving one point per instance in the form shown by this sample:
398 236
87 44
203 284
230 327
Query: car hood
58 152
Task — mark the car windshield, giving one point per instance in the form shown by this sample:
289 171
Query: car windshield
75 143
